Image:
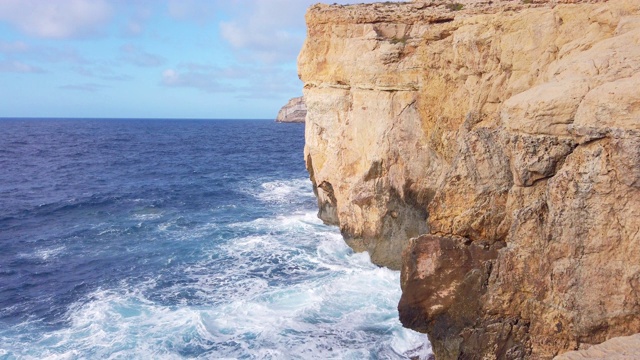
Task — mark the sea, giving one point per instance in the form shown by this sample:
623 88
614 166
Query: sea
172 239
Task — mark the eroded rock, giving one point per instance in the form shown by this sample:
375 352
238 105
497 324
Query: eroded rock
620 348
508 132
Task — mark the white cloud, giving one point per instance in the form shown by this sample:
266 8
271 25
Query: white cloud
136 56
206 80
271 31
13 47
137 12
25 52
56 19
198 10
133 28
18 67
243 82
104 70
86 87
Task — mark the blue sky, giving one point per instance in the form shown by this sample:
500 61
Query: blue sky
149 58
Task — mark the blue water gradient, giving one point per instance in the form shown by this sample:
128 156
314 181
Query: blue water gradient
179 239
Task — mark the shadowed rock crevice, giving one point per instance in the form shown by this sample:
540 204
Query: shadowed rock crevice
327 204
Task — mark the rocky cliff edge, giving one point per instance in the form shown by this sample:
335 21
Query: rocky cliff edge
491 150
294 111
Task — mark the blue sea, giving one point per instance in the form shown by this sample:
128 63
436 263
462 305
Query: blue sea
171 239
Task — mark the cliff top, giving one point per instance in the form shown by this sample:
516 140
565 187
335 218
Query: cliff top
421 11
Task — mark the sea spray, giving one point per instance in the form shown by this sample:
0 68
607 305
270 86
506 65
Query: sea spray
173 267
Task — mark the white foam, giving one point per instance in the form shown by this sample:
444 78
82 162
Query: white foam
147 216
333 312
115 325
283 191
286 287
109 231
45 254
172 228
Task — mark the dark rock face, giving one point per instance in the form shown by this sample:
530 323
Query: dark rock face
444 281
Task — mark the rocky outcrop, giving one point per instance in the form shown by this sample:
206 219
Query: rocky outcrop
620 348
507 134
293 112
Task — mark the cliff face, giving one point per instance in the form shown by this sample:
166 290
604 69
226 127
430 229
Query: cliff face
294 111
620 348
509 135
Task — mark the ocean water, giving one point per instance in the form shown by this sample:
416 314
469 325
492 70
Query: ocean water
140 239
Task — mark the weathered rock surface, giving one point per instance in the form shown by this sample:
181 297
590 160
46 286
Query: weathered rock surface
509 133
620 348
294 111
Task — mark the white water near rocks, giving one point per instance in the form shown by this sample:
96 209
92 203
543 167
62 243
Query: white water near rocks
313 298
141 239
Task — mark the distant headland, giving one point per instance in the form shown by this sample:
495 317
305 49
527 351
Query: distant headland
293 112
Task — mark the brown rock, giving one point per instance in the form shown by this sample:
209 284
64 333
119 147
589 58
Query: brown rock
509 131
444 278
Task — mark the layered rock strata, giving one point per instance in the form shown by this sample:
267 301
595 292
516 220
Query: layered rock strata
294 111
491 150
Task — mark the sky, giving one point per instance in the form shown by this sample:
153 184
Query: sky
196 59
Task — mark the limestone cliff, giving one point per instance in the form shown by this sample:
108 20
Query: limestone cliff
293 111
507 134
